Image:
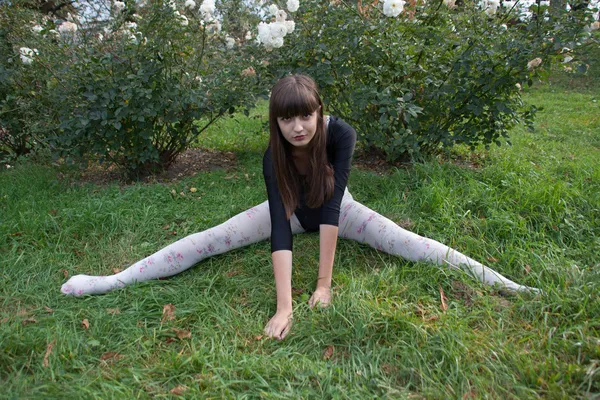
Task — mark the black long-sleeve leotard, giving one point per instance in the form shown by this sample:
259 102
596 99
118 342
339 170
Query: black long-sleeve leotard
341 139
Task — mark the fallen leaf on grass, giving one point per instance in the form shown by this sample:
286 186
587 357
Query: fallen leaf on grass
182 333
111 356
297 291
3 320
231 273
116 270
527 269
29 321
423 314
259 337
85 324
387 368
492 259
193 190
48 352
65 273
113 311
168 313
179 390
328 352
443 299
48 310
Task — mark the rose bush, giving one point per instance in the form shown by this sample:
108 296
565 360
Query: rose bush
416 77
140 88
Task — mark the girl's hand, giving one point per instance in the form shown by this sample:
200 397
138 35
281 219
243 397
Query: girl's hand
321 296
279 325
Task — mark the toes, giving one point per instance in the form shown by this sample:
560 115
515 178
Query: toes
66 289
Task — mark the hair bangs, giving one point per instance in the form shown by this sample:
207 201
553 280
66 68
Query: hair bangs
296 100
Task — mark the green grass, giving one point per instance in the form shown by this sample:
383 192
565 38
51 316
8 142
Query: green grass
531 211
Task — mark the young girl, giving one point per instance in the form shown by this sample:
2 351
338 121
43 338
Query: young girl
306 169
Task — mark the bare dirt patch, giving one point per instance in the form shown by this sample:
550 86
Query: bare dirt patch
193 161
374 160
189 163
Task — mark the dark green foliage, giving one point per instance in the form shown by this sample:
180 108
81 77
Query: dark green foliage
432 77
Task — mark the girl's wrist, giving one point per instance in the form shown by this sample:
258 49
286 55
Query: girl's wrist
285 308
324 282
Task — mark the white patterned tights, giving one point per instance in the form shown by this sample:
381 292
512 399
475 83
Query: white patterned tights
356 222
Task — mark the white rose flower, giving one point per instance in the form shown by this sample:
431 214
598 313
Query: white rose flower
191 4
119 6
536 62
491 6
450 3
183 20
229 42
67 28
131 36
273 10
27 54
264 32
214 27
37 29
280 16
592 27
293 5
276 42
393 8
207 9
290 26
278 29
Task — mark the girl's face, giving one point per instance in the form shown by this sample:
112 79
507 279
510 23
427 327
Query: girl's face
299 130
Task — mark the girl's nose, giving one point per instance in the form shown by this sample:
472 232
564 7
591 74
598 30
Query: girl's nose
298 125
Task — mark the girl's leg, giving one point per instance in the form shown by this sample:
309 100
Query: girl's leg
248 227
366 226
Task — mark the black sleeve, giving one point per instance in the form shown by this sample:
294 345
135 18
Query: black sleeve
281 231
340 147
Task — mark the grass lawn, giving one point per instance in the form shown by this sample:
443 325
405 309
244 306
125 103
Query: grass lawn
530 211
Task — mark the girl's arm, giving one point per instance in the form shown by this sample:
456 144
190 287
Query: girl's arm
280 324
327 243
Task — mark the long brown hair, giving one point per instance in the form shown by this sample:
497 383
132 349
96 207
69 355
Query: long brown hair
292 96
